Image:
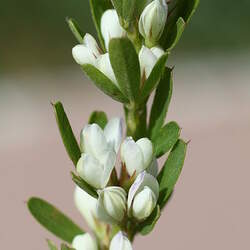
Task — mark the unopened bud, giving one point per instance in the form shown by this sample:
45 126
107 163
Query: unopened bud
120 242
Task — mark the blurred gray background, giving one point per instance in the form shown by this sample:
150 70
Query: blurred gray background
211 102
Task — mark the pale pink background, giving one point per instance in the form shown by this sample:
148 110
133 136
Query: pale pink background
210 208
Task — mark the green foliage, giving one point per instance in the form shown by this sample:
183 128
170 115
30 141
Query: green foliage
104 83
125 63
51 245
53 220
75 29
148 225
97 9
171 170
154 77
166 138
98 117
65 247
84 185
161 102
66 132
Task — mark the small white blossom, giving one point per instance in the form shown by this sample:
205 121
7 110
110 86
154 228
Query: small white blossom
143 196
137 156
120 242
152 20
84 242
110 26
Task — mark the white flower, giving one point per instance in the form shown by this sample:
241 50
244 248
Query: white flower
110 26
137 156
143 196
120 242
111 204
148 58
84 242
99 152
152 20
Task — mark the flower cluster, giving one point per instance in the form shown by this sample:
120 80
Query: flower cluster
134 196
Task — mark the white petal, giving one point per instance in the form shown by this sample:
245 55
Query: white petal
104 65
90 170
147 61
120 242
144 203
113 133
84 242
132 156
147 150
153 167
90 42
110 26
83 55
157 51
86 205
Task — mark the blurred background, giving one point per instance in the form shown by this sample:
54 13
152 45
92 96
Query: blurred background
211 102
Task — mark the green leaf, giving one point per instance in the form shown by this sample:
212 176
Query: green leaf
51 245
65 247
177 9
66 132
53 220
84 185
175 34
154 77
139 7
166 138
97 9
104 83
161 102
148 225
75 29
171 170
125 63
98 117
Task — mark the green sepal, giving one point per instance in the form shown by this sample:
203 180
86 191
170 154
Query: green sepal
65 247
148 225
84 185
166 138
104 83
139 7
97 8
51 245
53 220
125 63
75 29
66 132
161 102
154 77
98 117
171 171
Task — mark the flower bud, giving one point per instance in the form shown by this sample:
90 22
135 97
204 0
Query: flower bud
137 156
110 26
152 21
148 58
143 196
84 241
99 152
120 242
112 200
87 52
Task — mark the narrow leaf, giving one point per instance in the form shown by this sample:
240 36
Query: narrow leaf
75 29
125 63
161 102
154 77
84 185
66 132
171 170
51 245
98 117
53 220
65 247
97 9
104 83
148 225
166 138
